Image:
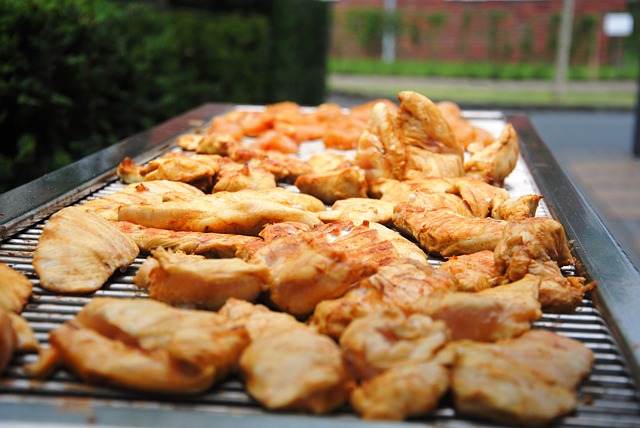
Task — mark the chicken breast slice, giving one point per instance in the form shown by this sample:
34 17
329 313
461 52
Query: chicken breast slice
79 250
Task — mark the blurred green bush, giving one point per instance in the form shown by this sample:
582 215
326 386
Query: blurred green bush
78 75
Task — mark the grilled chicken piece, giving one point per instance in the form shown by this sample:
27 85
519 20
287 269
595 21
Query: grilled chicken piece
538 245
375 343
379 151
493 314
197 170
79 250
15 289
15 333
422 124
406 249
413 143
536 238
518 208
328 161
430 201
402 391
358 210
189 142
332 316
213 245
331 186
297 370
496 161
145 345
234 176
278 194
151 192
399 285
306 270
529 380
474 272
444 232
194 281
467 133
363 243
7 340
258 320
217 215
283 166
480 197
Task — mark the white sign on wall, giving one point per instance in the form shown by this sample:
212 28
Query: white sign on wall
618 24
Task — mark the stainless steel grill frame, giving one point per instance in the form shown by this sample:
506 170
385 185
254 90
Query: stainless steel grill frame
607 322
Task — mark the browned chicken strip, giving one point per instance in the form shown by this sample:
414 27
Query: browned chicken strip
304 271
358 210
402 391
151 192
474 272
496 161
538 245
79 250
529 380
444 232
214 245
15 289
331 186
495 313
297 370
216 215
381 340
194 281
145 345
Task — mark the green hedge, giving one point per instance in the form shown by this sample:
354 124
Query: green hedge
78 75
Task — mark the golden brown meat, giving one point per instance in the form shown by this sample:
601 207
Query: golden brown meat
402 391
380 152
218 215
7 340
277 194
15 289
145 345
151 192
304 271
258 320
474 272
529 380
397 285
381 340
197 170
79 250
283 166
233 177
297 370
332 316
358 210
331 186
429 201
493 314
517 208
496 161
214 245
538 245
466 132
194 281
444 232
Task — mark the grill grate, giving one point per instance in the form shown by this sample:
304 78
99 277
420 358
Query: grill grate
608 397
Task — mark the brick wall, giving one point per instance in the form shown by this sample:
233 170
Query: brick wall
512 31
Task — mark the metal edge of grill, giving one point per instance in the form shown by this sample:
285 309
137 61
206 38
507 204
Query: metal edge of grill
608 397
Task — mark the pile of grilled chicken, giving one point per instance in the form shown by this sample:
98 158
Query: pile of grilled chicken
309 278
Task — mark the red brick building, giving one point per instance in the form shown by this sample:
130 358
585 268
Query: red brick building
475 30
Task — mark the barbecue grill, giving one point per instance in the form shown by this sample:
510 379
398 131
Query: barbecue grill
607 321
